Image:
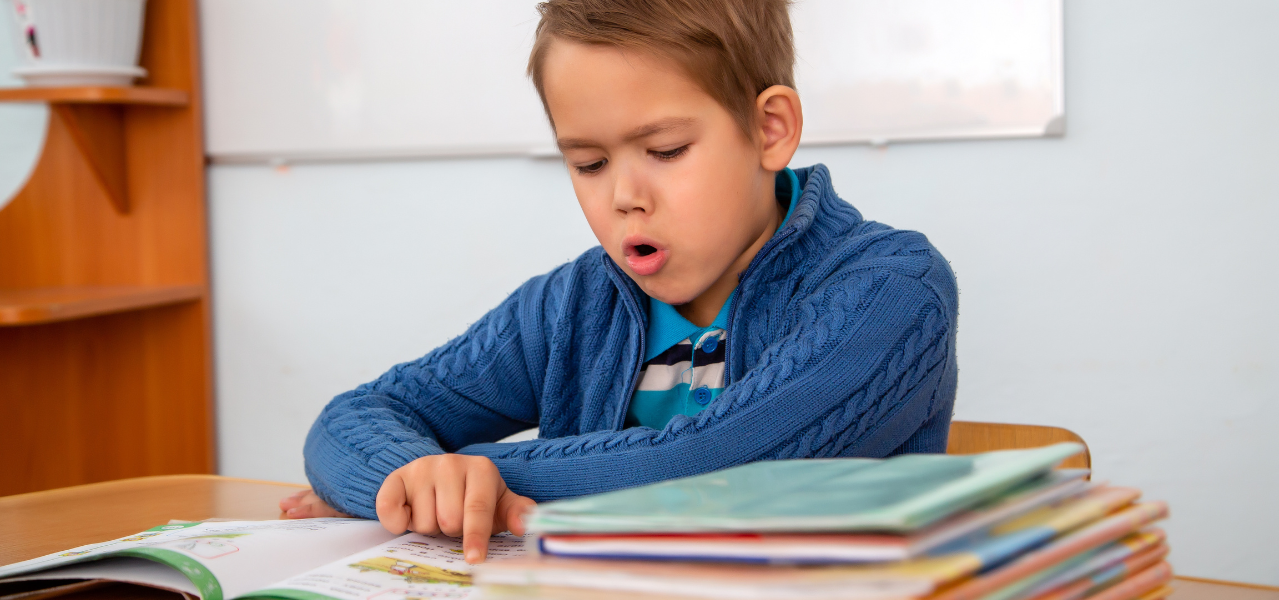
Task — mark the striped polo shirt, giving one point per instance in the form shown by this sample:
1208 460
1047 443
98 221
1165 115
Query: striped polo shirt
683 370
684 364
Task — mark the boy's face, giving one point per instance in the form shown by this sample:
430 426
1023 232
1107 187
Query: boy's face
671 187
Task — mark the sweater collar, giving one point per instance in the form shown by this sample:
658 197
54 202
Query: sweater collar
814 185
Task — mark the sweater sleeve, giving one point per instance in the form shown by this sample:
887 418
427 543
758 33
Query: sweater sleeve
869 360
493 369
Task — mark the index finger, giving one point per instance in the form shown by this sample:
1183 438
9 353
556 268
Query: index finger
477 515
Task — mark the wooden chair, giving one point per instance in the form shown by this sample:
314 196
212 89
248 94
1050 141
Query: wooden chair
971 437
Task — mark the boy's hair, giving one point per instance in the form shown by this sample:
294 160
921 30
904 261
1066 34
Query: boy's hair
732 49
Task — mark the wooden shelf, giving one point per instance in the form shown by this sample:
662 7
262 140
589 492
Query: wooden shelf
152 96
45 305
95 118
106 356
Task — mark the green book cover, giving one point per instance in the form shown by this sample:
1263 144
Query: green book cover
899 494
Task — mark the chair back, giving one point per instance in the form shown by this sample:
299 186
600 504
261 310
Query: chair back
972 437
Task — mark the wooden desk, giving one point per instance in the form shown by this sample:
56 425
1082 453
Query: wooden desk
40 523
45 522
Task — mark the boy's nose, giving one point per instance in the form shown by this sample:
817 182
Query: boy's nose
629 193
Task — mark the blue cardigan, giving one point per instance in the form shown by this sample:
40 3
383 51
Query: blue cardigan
841 342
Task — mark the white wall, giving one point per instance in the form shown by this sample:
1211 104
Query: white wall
1119 281
326 276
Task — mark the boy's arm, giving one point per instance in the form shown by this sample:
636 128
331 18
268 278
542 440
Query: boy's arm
870 360
364 435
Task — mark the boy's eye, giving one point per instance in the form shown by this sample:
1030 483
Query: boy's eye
669 154
593 167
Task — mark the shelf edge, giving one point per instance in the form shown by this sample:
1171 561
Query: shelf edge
129 298
153 96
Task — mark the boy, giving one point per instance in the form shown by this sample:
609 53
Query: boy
734 311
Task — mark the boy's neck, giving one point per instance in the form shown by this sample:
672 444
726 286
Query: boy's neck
702 310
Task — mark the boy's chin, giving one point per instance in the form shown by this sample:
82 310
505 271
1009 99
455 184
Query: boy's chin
666 293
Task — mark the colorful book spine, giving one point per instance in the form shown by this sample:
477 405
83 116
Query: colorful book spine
1095 582
1080 566
1138 585
1088 538
1013 538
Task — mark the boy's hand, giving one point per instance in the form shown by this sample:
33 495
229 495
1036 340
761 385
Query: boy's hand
305 505
457 495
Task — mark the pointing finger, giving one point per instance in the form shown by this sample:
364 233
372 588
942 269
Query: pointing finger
477 515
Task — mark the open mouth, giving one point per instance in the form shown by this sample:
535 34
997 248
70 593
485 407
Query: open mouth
643 256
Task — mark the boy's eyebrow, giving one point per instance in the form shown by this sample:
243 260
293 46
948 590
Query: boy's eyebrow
643 131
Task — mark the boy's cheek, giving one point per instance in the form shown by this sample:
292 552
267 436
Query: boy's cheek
608 230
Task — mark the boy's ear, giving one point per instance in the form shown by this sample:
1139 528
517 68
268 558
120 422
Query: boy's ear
780 121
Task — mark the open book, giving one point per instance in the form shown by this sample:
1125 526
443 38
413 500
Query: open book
310 559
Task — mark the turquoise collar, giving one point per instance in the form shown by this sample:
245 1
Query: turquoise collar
666 327
793 179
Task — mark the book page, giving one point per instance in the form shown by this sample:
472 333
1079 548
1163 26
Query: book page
412 566
227 559
127 570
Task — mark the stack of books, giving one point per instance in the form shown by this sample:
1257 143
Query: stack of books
996 526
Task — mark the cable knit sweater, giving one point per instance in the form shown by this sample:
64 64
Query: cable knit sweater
841 342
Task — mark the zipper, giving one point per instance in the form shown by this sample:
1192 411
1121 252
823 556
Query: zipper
633 304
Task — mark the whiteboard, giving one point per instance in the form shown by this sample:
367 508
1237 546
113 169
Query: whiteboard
301 80
298 79
885 70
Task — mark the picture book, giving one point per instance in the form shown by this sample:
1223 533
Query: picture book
818 548
900 494
308 559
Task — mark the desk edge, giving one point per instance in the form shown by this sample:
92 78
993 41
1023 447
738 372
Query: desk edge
187 477
1255 586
